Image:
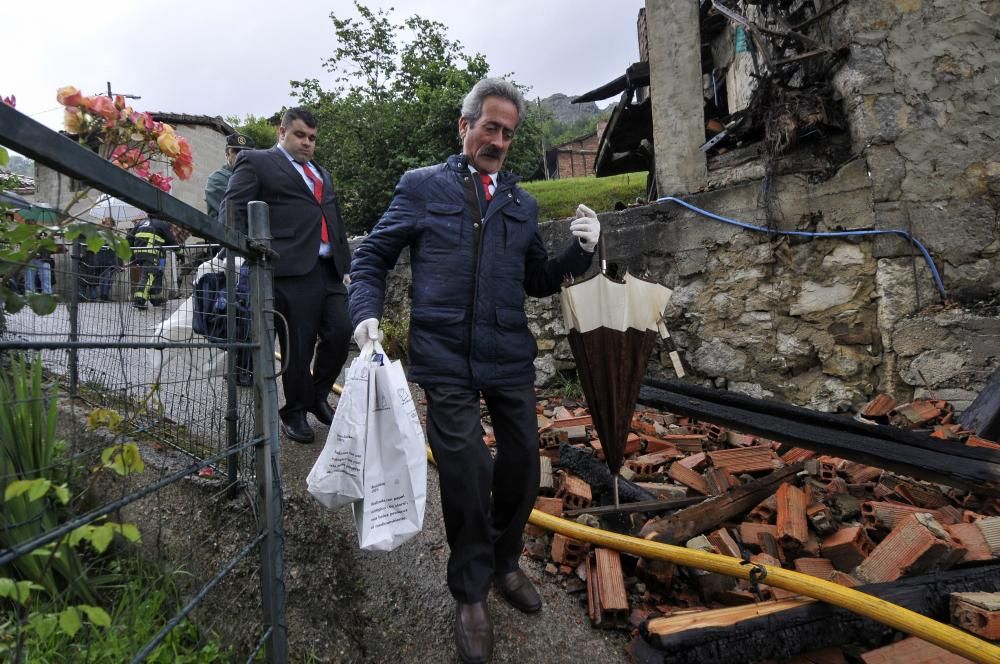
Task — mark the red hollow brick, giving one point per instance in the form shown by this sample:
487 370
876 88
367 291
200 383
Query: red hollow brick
790 516
575 492
746 460
847 547
912 651
819 567
688 478
978 613
919 544
750 533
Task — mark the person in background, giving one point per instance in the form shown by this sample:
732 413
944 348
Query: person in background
41 267
147 239
218 181
105 264
475 252
311 270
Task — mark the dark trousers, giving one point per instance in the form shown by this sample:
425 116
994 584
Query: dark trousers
315 306
150 284
485 502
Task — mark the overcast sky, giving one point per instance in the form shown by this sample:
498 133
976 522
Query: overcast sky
233 58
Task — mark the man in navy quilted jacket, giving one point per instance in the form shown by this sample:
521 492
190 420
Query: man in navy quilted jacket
475 251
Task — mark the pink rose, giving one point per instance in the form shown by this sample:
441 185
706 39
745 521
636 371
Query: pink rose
105 108
69 96
160 181
183 170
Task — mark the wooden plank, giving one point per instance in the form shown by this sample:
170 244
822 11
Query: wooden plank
941 461
722 636
708 514
642 506
683 621
796 415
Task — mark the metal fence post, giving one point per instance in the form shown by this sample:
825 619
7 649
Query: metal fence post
231 336
266 430
73 310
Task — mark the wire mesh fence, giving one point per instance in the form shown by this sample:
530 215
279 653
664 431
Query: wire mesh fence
141 507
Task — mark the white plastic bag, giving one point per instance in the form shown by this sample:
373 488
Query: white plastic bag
395 490
337 476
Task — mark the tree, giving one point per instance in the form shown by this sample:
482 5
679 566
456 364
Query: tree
394 106
263 133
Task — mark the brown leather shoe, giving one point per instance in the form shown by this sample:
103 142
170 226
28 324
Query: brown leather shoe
473 632
519 591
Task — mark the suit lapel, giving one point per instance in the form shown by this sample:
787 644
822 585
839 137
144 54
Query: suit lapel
286 166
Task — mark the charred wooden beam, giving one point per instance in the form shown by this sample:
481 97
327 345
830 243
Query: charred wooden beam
641 506
807 627
585 465
922 457
708 514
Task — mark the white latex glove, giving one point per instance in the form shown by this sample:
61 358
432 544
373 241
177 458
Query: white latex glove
586 228
367 330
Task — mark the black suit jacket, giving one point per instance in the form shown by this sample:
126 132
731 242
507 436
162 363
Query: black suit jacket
268 176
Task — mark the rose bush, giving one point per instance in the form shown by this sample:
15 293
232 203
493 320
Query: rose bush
129 139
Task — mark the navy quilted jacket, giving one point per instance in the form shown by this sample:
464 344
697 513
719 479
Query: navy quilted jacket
467 325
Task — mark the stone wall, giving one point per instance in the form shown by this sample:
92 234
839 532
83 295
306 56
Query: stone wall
801 320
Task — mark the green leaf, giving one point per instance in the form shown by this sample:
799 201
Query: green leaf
69 620
44 624
42 304
95 242
84 532
24 589
17 488
62 493
7 587
102 536
131 533
123 459
4 157
13 302
96 615
40 488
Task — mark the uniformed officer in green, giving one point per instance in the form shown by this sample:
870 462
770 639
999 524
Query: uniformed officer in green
215 188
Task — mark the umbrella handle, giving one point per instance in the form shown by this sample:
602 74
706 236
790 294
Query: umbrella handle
602 254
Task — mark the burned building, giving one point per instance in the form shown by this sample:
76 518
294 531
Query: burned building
856 144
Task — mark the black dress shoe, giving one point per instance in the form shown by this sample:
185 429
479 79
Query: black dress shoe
323 412
518 589
473 632
295 428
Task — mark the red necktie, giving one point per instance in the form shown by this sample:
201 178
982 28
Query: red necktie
318 193
487 181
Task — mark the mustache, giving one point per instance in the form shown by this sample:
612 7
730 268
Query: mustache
491 152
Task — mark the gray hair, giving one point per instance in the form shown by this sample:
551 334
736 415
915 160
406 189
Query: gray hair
472 105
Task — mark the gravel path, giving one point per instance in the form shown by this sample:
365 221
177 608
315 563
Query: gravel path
395 607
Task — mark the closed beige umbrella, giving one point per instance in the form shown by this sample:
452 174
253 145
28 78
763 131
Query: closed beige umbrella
613 327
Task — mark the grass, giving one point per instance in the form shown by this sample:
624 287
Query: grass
142 604
559 198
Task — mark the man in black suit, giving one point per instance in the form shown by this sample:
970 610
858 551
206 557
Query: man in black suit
311 269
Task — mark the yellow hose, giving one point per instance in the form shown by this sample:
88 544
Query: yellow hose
900 618
863 604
